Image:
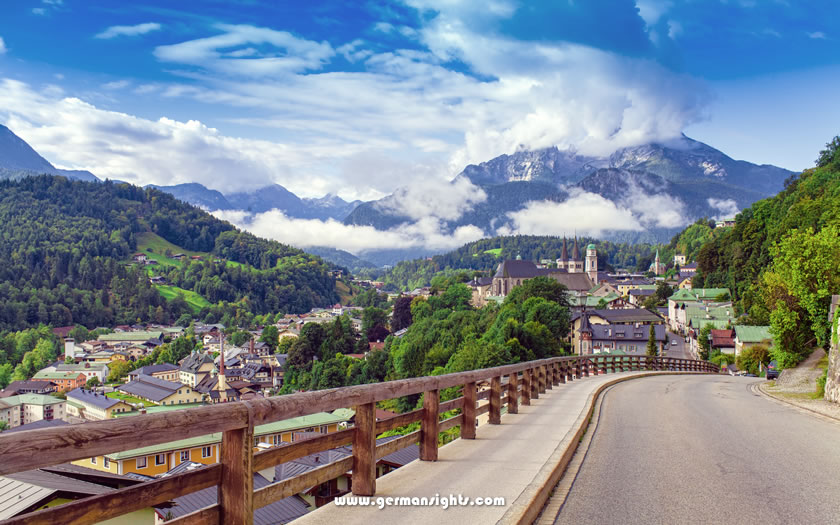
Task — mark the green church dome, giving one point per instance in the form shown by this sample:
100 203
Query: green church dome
590 247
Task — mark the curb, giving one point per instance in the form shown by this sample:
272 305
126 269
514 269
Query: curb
527 507
781 400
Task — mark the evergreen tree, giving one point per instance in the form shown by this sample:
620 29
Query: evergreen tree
652 350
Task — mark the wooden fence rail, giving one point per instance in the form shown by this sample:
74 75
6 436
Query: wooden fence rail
33 449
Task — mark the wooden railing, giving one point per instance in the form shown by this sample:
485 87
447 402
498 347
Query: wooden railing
234 474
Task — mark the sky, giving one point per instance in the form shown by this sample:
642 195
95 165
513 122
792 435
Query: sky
362 98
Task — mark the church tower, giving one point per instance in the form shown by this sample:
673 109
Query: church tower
563 261
576 261
592 263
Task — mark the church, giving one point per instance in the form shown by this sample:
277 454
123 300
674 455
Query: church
579 275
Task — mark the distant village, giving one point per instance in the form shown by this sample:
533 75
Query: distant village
611 313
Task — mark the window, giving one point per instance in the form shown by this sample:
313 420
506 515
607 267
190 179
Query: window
160 459
206 451
93 461
276 439
141 462
185 455
106 463
324 429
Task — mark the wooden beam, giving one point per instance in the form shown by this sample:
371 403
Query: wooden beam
364 450
123 501
31 449
236 490
429 426
468 426
289 487
389 447
451 422
206 516
496 401
513 394
275 456
398 421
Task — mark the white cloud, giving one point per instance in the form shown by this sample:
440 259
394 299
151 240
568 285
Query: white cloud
652 10
116 84
3 48
817 35
585 213
39 11
436 199
135 30
290 53
425 233
728 208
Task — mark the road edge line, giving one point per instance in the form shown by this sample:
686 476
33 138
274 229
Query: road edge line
781 400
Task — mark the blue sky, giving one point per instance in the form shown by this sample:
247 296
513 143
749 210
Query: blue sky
359 98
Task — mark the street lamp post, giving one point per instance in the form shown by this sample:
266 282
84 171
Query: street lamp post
710 344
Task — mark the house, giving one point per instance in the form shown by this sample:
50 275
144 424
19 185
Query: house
90 370
92 405
680 298
723 341
32 386
481 288
750 336
158 459
63 381
103 356
638 296
178 256
195 367
32 490
9 414
35 407
161 392
158 280
131 338
631 339
165 371
139 257
688 270
633 316
679 259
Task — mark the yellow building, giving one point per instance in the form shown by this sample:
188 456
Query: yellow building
161 392
94 406
158 459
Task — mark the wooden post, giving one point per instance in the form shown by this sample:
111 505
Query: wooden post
429 426
496 400
543 379
535 383
513 393
468 424
526 387
561 373
549 377
236 490
364 450
555 373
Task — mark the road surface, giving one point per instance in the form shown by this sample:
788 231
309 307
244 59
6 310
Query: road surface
680 350
705 449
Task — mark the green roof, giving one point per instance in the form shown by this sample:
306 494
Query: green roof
56 375
345 413
700 322
159 408
590 247
32 399
698 294
131 336
753 334
295 423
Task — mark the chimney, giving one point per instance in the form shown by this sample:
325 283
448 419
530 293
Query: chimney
222 386
69 348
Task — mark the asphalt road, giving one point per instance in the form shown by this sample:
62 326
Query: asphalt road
705 449
680 350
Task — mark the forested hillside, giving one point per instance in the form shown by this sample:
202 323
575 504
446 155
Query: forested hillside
65 248
782 258
486 254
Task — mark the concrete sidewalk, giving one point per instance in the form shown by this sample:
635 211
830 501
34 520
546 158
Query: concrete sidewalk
506 460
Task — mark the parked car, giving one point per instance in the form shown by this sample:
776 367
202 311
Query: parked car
772 370
673 342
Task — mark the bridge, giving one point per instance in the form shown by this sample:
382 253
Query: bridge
546 406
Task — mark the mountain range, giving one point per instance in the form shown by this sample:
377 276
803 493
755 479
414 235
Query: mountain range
664 185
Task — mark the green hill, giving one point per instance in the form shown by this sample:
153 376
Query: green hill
782 258
65 244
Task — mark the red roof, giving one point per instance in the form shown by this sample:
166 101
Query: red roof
358 356
62 331
723 338
376 345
